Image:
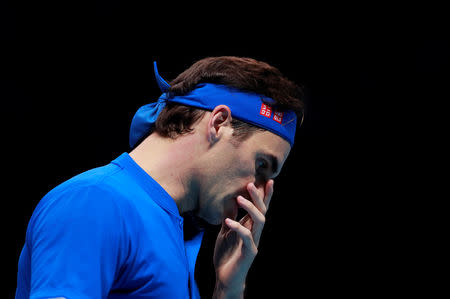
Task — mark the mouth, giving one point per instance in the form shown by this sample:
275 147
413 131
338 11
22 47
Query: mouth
231 208
236 212
234 209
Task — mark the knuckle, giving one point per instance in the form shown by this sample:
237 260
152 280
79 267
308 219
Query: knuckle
263 219
254 251
260 218
247 233
264 210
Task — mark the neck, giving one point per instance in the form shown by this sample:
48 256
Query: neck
169 163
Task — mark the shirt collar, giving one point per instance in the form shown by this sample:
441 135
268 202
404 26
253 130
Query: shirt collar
154 190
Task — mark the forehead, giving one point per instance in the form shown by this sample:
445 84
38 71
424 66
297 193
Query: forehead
266 142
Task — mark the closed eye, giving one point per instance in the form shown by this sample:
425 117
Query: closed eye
267 165
262 166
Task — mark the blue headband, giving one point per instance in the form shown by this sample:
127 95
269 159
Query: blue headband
248 107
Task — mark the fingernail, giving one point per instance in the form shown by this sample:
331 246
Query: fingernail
228 221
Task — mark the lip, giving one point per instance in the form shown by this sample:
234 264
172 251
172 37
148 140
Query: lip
232 208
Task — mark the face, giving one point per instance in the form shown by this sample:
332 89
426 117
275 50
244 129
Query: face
229 168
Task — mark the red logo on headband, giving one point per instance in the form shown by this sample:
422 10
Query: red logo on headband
278 117
266 110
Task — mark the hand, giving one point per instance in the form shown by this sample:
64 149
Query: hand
237 242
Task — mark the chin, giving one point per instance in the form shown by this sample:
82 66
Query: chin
217 214
218 218
212 221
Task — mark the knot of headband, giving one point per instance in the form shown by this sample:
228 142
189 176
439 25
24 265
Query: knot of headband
246 106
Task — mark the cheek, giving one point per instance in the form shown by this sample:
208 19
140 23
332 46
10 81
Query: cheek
245 168
240 174
234 178
234 167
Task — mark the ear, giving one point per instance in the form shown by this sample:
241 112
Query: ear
220 117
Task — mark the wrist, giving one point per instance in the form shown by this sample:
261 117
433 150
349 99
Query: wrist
222 292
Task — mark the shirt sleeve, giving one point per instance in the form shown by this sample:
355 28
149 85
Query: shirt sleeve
76 244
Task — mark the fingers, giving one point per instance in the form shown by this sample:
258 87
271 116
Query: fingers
258 197
256 215
268 193
256 210
245 234
261 198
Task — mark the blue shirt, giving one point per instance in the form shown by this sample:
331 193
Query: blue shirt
110 232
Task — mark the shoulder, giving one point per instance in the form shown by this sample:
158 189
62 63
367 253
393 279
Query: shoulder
87 196
93 187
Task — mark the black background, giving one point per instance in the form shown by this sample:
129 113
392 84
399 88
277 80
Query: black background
73 74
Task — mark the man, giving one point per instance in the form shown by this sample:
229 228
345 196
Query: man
211 144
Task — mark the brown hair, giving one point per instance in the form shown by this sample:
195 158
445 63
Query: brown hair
245 74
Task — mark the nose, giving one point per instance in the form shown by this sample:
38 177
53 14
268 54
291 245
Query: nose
260 182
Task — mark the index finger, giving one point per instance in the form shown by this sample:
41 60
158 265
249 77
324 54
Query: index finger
268 192
257 197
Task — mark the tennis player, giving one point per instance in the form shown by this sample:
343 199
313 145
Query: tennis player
212 143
